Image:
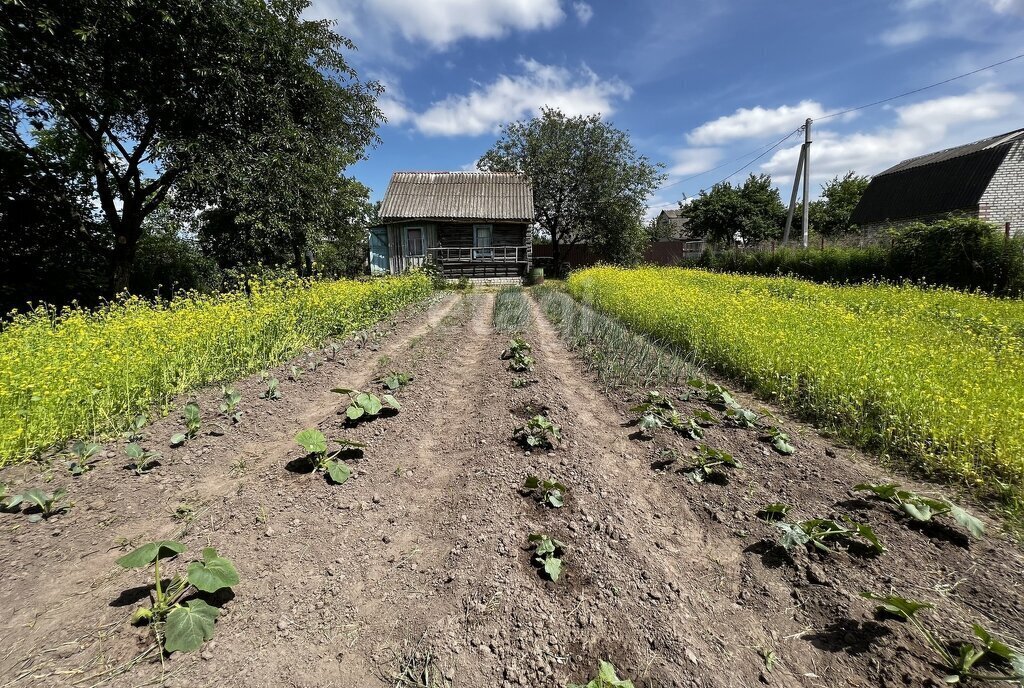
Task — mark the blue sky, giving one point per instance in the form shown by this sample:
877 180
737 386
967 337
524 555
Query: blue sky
696 84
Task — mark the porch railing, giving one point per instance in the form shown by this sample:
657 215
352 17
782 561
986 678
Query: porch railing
489 254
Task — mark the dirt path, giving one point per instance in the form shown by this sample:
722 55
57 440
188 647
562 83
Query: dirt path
420 561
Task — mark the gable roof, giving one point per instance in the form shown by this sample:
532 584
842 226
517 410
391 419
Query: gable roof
674 214
941 182
458 196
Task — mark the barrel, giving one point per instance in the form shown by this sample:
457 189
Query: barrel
537 276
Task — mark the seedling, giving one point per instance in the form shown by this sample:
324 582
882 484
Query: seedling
520 382
540 432
780 441
229 404
961 664
366 403
315 444
921 508
656 411
9 502
395 380
550 492
181 627
133 433
48 504
142 460
272 392
709 462
719 397
547 554
332 351
518 355
83 461
775 512
295 373
606 678
193 422
814 532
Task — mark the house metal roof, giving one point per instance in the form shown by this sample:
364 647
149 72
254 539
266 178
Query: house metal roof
674 214
941 182
458 196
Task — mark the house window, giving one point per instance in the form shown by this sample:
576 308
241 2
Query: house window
482 241
414 240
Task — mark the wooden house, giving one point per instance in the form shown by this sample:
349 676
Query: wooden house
470 224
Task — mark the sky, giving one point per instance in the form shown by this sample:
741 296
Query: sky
698 84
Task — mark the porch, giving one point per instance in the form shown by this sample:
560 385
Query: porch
480 261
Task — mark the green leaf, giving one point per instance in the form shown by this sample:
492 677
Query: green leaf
608 677
354 412
782 446
213 573
178 439
793 535
189 626
150 552
917 510
532 482
553 567
312 440
37 497
134 451
866 532
343 390
338 472
392 402
776 510
897 605
369 403
974 526
556 499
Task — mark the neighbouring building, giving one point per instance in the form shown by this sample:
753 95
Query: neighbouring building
671 225
470 224
984 179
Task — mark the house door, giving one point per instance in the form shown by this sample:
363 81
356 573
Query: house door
379 254
482 241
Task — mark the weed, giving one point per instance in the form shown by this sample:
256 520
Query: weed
229 404
395 380
273 390
181 627
814 532
142 460
84 453
606 678
239 467
922 508
539 431
366 403
961 664
315 444
518 355
550 492
547 554
193 422
709 462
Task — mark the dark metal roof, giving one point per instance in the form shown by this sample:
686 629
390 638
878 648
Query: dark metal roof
674 214
942 182
458 196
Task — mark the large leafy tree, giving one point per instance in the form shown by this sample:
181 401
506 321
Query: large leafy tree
830 214
240 103
752 211
589 183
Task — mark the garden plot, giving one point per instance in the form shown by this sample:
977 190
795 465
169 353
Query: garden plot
503 526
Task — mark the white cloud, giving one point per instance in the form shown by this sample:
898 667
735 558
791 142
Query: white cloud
905 34
755 122
689 161
484 109
584 12
1007 6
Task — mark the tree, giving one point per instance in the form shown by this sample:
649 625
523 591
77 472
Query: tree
830 214
753 211
215 101
589 183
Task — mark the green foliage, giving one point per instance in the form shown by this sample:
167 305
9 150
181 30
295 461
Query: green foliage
84 453
775 511
8 501
181 627
984 649
315 444
589 183
780 440
720 398
273 390
606 678
550 492
548 554
814 532
539 431
830 214
708 462
230 399
133 432
395 380
753 211
142 460
511 310
48 504
921 508
366 404
193 421
518 355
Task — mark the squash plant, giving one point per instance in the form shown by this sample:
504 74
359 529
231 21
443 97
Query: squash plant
550 492
395 379
539 431
181 626
366 403
708 462
49 504
780 440
984 649
273 390
315 444
193 421
606 678
547 554
814 532
518 355
921 508
133 433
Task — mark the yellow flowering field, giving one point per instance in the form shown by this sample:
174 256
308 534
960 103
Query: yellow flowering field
87 373
934 378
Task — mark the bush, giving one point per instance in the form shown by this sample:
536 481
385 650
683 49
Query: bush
828 265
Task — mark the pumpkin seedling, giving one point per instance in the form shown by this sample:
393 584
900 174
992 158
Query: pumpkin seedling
780 441
315 444
365 403
395 380
709 462
921 508
133 433
273 391
539 431
181 627
547 554
518 355
814 532
606 678
656 411
520 382
550 492
720 398
985 648
775 511
142 460
47 504
84 453
193 422
229 404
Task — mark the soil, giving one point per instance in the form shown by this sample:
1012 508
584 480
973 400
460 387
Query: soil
421 560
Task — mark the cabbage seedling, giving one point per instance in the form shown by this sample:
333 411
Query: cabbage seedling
365 403
273 391
181 627
550 492
921 508
9 502
48 504
84 453
815 531
547 554
540 432
395 380
315 444
961 663
142 460
229 404
606 678
708 462
193 422
133 433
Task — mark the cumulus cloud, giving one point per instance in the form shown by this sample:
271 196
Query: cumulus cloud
689 161
584 12
485 108
755 122
905 34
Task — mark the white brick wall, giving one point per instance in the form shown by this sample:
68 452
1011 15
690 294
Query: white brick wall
1003 200
491 281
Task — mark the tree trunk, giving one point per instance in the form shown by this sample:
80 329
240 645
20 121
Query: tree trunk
125 248
556 254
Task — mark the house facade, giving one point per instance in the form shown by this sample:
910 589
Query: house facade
470 224
984 179
671 225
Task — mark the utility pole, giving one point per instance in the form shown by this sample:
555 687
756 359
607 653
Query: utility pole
802 169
